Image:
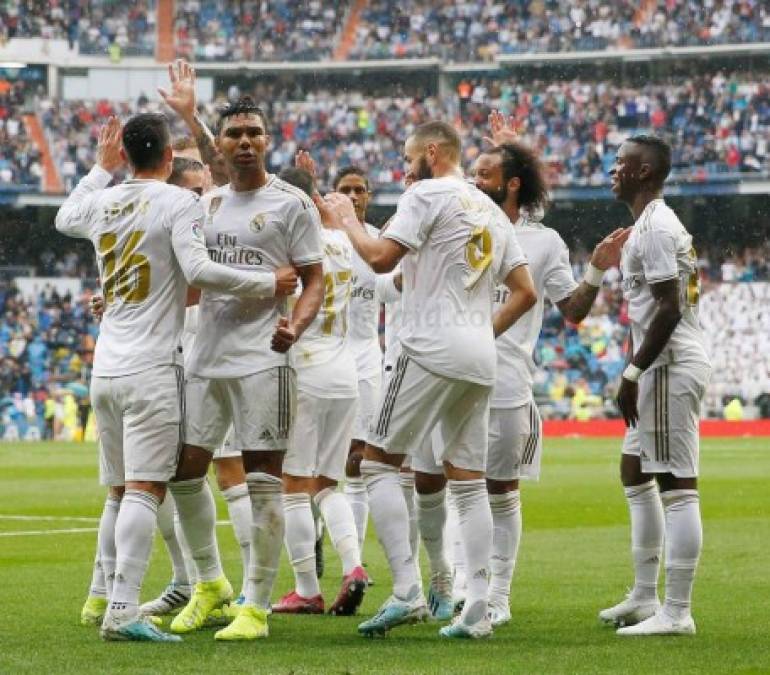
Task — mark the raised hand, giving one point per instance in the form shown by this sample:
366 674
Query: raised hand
96 306
108 147
608 250
181 99
304 160
502 130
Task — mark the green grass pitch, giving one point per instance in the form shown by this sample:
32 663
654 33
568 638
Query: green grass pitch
574 560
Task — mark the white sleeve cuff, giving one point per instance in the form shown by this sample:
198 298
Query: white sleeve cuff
99 176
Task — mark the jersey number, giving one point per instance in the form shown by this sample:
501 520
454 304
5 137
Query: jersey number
478 253
125 273
328 309
692 294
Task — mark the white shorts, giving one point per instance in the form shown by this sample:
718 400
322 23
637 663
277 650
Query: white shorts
416 401
260 407
423 457
139 420
368 395
515 443
226 450
666 438
320 437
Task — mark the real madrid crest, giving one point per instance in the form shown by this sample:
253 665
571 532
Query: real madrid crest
257 223
214 205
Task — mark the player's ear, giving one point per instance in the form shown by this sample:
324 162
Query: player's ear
514 185
645 171
123 154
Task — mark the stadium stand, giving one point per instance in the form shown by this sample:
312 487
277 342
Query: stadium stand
20 165
718 125
277 30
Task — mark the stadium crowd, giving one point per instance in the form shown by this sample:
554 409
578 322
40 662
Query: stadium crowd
718 125
478 31
274 30
19 157
95 27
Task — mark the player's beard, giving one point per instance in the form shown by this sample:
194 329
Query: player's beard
423 169
498 195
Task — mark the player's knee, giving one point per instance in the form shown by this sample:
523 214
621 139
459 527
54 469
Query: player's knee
428 483
269 462
193 463
374 454
117 491
353 463
229 472
500 487
631 471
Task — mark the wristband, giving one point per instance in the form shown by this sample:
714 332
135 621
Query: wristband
593 276
632 373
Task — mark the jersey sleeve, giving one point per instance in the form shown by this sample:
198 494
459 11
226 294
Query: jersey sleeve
558 279
305 245
76 215
412 221
657 250
198 269
513 255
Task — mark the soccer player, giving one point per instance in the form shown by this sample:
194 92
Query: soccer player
458 244
363 338
147 236
659 396
318 444
513 177
238 371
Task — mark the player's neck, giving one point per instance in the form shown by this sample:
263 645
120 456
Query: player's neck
151 174
445 170
642 199
251 180
511 209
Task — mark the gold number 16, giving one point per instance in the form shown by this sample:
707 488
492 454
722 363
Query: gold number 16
125 273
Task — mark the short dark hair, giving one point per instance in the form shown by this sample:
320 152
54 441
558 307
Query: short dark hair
441 133
659 153
180 167
145 138
351 170
520 161
299 178
245 105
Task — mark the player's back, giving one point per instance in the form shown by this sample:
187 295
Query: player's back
144 288
449 284
551 273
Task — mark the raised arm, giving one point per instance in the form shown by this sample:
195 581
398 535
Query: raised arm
182 100
73 216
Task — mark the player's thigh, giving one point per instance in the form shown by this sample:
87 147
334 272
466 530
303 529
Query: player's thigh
304 437
368 396
109 425
152 427
264 406
336 431
426 457
515 443
207 412
669 415
411 406
465 426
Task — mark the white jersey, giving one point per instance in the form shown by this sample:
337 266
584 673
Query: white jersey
660 249
262 229
189 330
322 357
552 276
149 244
466 245
365 316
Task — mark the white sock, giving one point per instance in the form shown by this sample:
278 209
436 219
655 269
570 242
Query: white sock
300 543
188 559
506 535
338 517
134 532
266 536
684 539
406 480
168 532
475 518
198 519
454 544
646 511
391 520
104 565
355 492
239 508
431 518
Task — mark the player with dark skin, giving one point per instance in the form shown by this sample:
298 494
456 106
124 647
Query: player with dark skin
637 179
